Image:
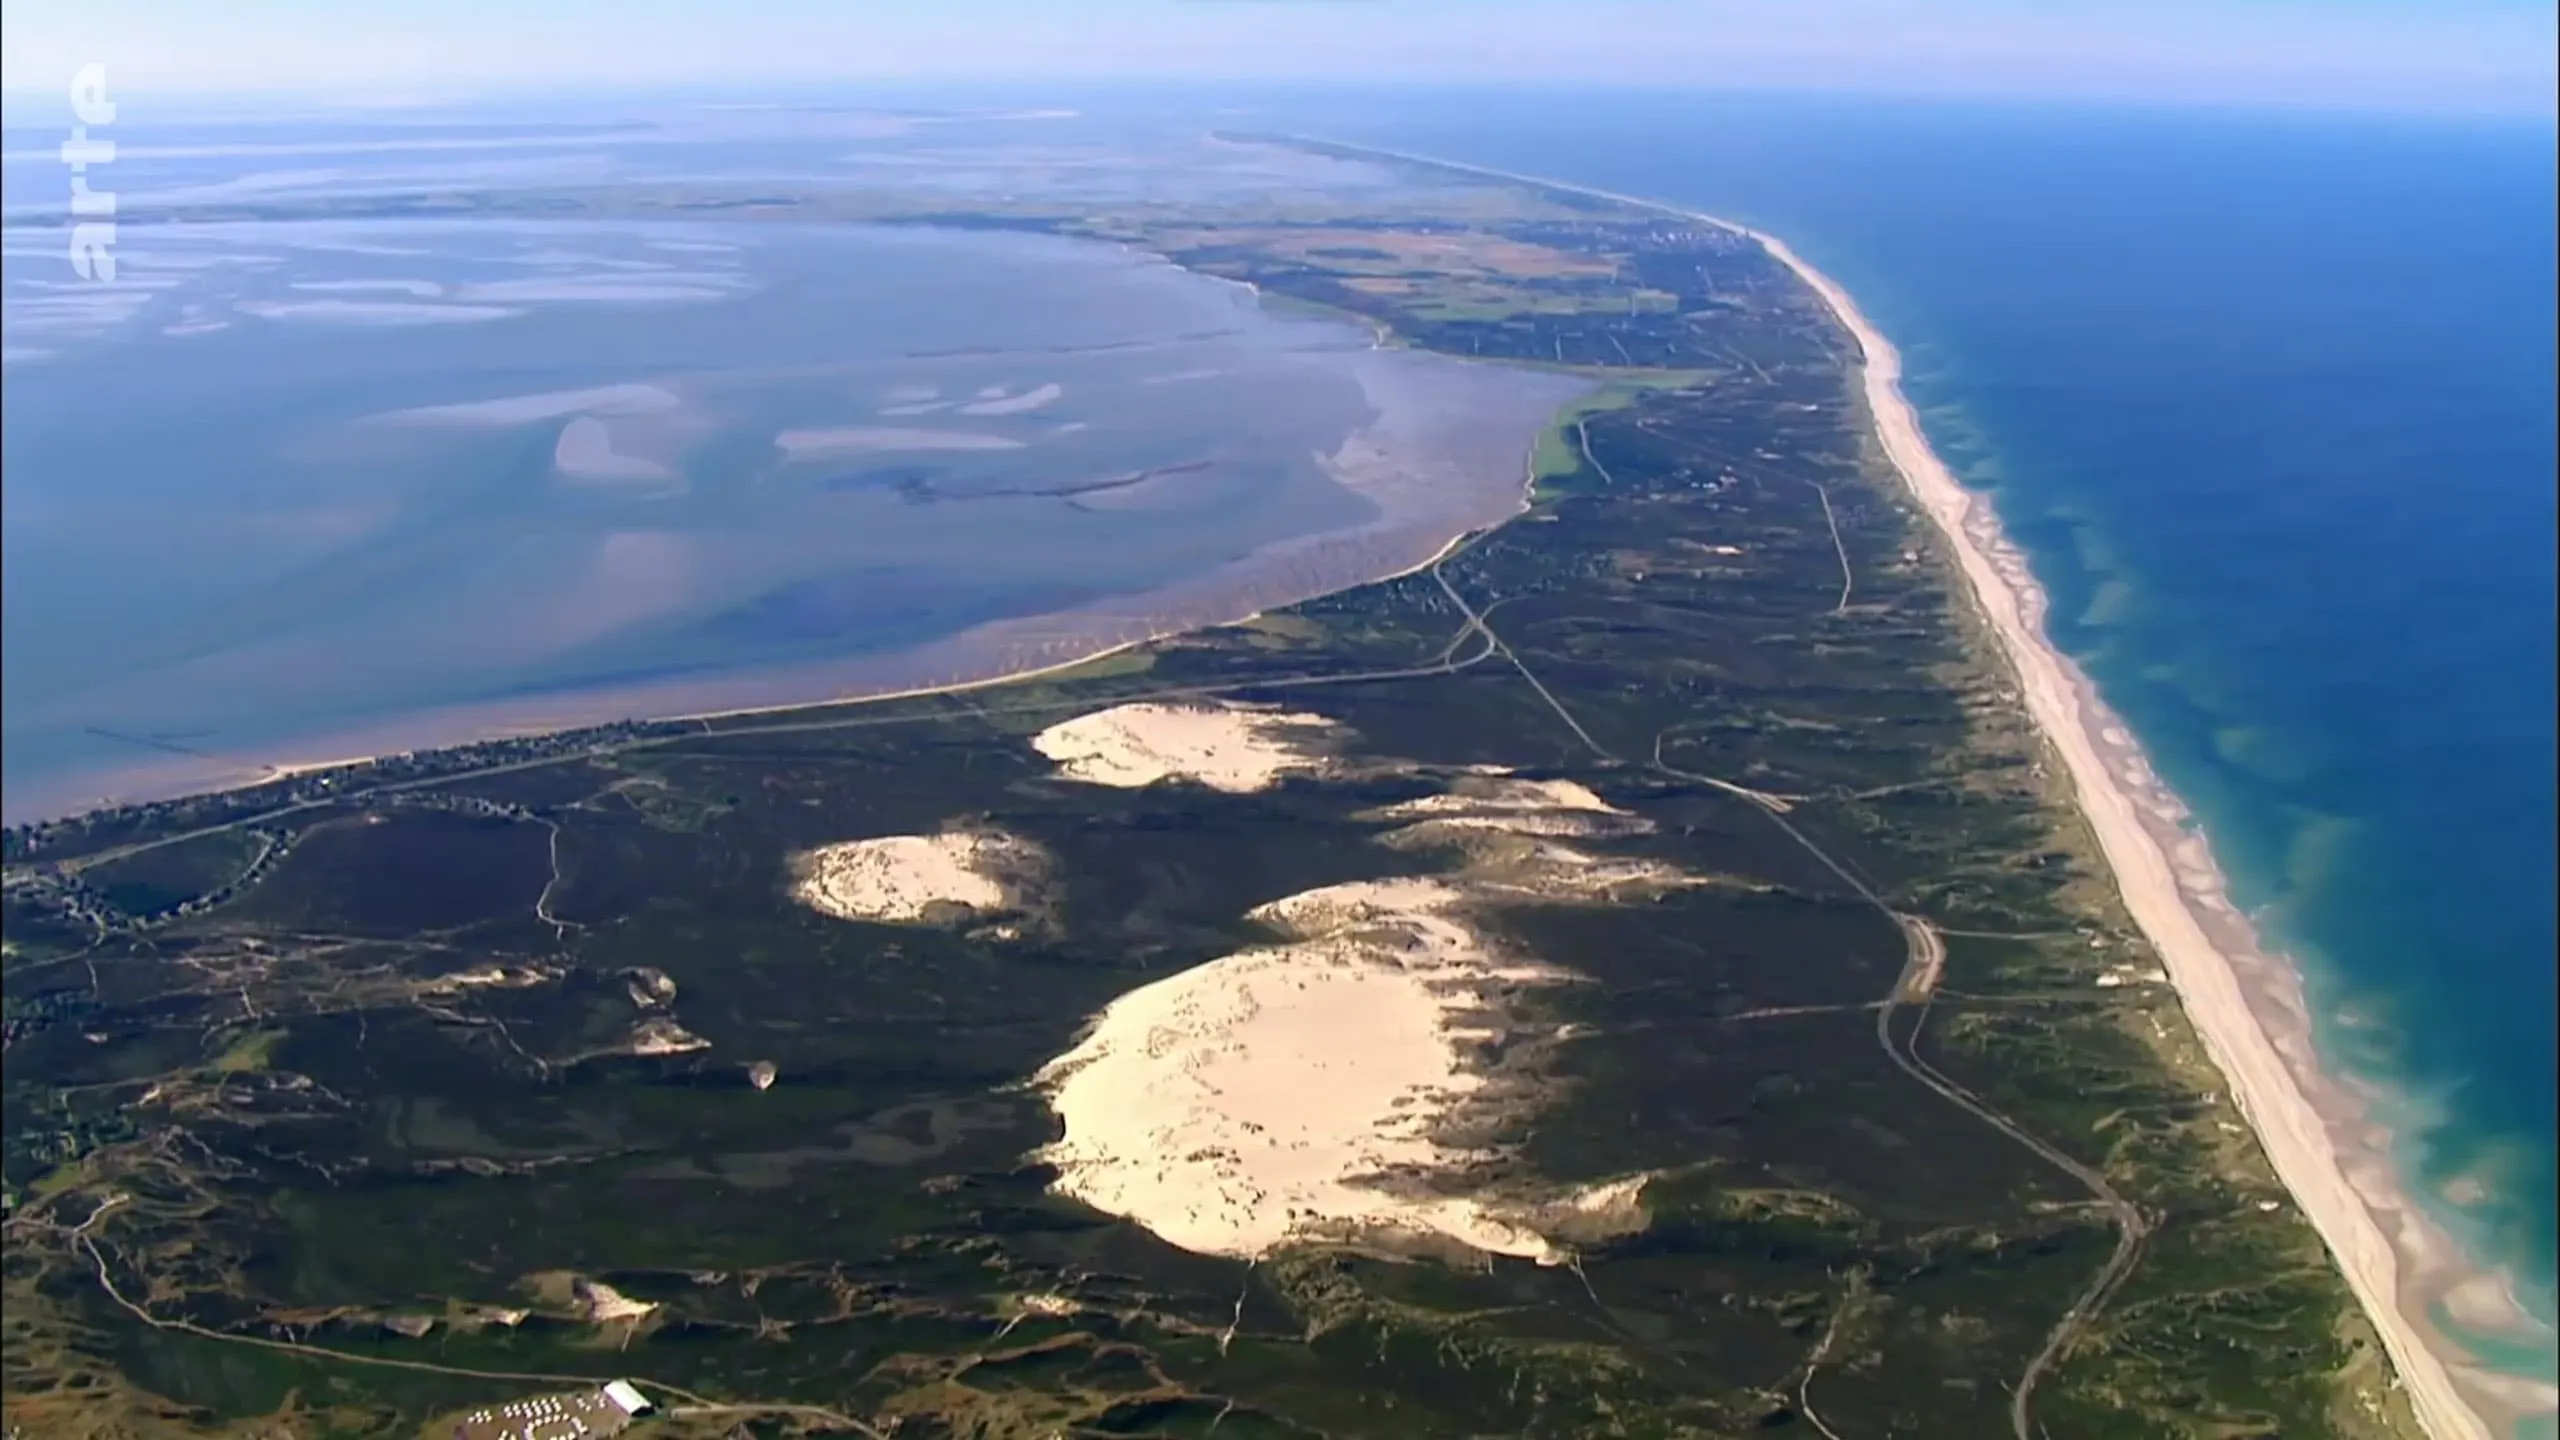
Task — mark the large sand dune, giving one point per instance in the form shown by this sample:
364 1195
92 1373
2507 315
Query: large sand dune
1321 1088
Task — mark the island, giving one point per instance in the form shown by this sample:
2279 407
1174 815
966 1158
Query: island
1653 967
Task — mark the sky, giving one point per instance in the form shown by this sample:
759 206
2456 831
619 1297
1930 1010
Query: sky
2427 55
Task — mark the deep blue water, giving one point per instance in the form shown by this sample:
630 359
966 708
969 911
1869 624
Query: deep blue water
2269 400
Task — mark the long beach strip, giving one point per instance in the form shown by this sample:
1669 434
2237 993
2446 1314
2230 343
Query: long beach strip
2246 1005
2177 896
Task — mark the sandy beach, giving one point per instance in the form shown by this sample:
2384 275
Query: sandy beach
2247 1006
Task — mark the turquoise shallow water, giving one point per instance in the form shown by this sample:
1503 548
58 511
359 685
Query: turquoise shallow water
2268 400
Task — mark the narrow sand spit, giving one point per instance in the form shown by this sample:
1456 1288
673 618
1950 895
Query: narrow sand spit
1301 1091
1223 747
2246 1005
898 878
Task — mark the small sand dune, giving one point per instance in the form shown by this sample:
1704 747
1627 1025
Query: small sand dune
664 1037
632 399
604 1304
1518 807
898 878
1221 746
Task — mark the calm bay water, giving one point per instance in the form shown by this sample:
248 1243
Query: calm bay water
293 490
2269 401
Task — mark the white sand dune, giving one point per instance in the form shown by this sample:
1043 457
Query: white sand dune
897 878
417 289
1299 1091
604 1304
548 405
1517 807
664 1037
1223 747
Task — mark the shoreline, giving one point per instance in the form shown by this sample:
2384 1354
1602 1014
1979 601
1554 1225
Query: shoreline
2246 1005
1010 651
1431 474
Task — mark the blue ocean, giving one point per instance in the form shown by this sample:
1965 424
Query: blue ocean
2268 399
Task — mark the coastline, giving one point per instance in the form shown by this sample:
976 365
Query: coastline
2246 1005
994 653
1429 476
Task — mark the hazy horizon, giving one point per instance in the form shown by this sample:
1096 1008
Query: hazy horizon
2448 56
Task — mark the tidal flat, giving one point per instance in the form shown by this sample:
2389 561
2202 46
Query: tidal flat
261 514
352 1093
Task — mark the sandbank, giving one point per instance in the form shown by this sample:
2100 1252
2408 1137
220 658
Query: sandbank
1514 806
864 438
585 451
1001 404
630 399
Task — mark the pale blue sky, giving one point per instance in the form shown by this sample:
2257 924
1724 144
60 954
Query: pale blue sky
2472 55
